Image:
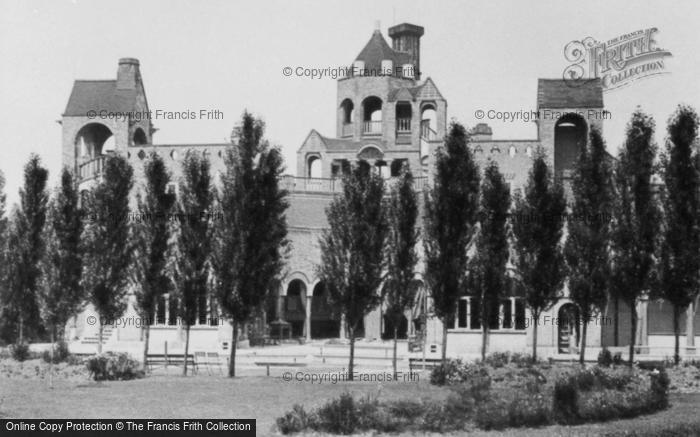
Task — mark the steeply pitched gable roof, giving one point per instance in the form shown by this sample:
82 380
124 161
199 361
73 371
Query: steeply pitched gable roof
99 95
559 93
377 50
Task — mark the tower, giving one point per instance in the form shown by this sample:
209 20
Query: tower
405 38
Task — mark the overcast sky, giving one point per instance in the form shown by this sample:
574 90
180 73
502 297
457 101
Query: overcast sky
229 56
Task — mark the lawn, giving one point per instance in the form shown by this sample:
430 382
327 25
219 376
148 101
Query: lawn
265 399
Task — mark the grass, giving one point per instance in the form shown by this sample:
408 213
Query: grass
266 398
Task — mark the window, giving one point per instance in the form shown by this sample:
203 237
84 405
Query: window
508 315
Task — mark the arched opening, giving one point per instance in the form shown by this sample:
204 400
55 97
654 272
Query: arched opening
372 118
294 309
347 110
139 137
314 167
370 153
568 328
404 112
428 122
325 319
91 139
569 139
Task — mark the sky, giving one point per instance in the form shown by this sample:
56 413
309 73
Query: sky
230 55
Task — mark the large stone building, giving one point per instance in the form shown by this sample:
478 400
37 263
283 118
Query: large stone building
387 115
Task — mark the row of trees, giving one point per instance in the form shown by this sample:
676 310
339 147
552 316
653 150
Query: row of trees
627 237
227 243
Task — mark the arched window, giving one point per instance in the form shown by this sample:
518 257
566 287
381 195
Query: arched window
569 138
94 139
314 167
139 137
372 110
347 108
403 117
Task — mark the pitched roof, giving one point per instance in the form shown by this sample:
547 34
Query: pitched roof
377 50
426 90
98 95
560 93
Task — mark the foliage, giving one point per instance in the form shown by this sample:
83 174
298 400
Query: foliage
26 247
487 273
194 241
60 294
605 358
588 243
538 225
352 248
455 371
680 263
451 208
20 351
111 366
108 247
250 237
60 353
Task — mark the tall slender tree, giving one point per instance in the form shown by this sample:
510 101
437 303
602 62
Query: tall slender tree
489 267
451 209
31 219
399 284
588 243
194 241
352 249
152 239
60 295
250 241
636 222
680 263
108 251
538 226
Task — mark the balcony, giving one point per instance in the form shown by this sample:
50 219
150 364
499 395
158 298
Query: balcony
372 127
91 169
426 132
331 186
403 125
347 129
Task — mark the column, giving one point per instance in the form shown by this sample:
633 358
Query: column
307 321
689 329
643 322
280 305
342 326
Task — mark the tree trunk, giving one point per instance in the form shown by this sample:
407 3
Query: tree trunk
444 342
616 327
99 335
584 329
187 348
53 339
147 336
396 333
232 358
21 328
484 340
534 338
633 330
351 366
676 334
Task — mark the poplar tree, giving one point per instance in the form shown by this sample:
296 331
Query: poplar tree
399 284
60 294
451 208
588 242
489 267
636 223
680 263
250 236
108 247
352 249
194 241
152 238
538 225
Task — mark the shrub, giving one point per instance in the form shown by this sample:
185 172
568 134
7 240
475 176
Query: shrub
605 358
617 359
20 351
60 353
659 389
112 366
296 420
565 405
456 372
339 416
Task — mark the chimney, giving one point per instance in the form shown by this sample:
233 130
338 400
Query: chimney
405 37
128 73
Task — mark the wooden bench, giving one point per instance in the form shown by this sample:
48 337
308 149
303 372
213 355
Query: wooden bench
417 363
155 360
269 364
